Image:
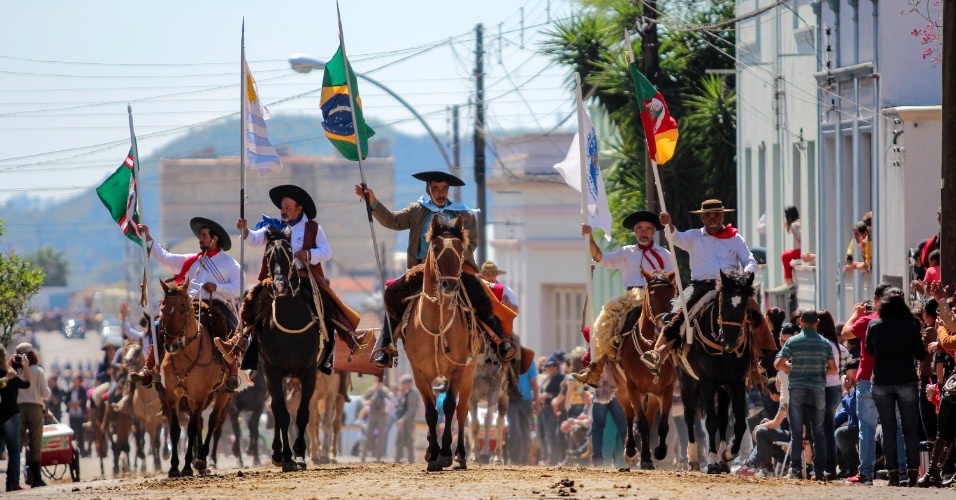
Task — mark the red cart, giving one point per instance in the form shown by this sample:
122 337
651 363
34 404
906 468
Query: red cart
59 450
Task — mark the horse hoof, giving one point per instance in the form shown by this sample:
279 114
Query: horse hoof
433 466
727 456
277 463
695 466
444 461
199 465
173 473
300 465
461 465
630 459
660 453
187 473
289 467
647 465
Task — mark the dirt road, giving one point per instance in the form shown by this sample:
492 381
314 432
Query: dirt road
387 481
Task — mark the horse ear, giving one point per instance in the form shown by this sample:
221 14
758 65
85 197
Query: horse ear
459 223
750 279
722 276
647 276
164 285
671 275
433 227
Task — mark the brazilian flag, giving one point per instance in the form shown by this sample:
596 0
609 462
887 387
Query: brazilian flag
337 109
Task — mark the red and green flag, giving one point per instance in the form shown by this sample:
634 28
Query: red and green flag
659 126
337 109
118 193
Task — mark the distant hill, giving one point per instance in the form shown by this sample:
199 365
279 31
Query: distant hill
81 226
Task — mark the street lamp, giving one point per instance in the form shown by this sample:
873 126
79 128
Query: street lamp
304 64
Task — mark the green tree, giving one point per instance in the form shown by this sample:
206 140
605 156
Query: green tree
55 265
19 280
591 44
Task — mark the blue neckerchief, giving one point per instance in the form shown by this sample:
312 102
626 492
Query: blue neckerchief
452 206
277 224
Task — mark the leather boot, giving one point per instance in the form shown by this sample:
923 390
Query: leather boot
592 374
37 475
912 476
123 404
894 477
232 381
380 355
146 376
937 459
231 349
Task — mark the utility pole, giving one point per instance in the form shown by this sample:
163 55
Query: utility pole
652 69
480 142
455 150
948 167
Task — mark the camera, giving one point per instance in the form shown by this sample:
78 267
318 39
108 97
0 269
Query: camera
869 307
18 361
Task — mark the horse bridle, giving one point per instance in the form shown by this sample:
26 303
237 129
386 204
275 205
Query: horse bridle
293 269
162 322
743 325
448 244
657 281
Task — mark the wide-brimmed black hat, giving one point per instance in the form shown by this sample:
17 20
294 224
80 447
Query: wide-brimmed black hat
642 216
197 223
434 175
712 206
295 193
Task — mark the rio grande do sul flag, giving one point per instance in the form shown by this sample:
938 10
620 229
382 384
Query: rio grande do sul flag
337 109
570 169
118 193
659 126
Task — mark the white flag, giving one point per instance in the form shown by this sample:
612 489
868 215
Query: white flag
260 154
598 213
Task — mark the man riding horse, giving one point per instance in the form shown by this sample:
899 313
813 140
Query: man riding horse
310 248
417 217
713 249
630 260
213 277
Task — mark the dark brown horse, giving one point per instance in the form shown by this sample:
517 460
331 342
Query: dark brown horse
640 392
441 340
194 376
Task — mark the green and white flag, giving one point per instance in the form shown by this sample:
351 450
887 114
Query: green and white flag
118 193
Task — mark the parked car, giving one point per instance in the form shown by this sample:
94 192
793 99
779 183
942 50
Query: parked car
74 329
111 326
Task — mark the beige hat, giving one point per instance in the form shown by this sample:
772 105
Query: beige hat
490 266
24 348
712 206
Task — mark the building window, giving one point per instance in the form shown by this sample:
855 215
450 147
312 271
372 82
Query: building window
565 305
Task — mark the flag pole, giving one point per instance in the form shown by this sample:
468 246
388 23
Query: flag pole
660 197
243 96
588 313
139 210
358 147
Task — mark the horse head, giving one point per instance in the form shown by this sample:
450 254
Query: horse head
659 293
281 264
446 254
734 291
176 308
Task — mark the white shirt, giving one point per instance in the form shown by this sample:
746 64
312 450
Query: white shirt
630 259
507 293
220 269
321 253
710 255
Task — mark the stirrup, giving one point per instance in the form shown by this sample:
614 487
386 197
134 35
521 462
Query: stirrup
652 360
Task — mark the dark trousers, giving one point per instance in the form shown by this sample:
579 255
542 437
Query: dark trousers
807 406
76 423
10 434
519 431
848 455
888 399
834 395
766 450
599 414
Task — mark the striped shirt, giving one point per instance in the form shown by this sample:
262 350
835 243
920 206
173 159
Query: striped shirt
808 353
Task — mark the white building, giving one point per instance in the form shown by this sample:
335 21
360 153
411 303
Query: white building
829 73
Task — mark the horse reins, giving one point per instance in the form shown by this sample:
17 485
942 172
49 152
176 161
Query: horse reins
738 349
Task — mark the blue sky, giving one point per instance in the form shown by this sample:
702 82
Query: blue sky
68 69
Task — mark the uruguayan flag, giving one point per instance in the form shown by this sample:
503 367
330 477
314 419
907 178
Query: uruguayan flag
260 154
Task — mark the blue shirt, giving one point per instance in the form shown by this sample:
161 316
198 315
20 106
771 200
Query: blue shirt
524 382
847 413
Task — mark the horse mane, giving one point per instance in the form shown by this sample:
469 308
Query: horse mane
442 228
737 283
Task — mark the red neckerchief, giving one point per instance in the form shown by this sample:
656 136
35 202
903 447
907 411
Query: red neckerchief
652 255
726 232
189 263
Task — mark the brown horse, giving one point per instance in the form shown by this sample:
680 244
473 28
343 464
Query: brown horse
193 376
111 429
325 414
441 340
492 383
147 407
640 392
